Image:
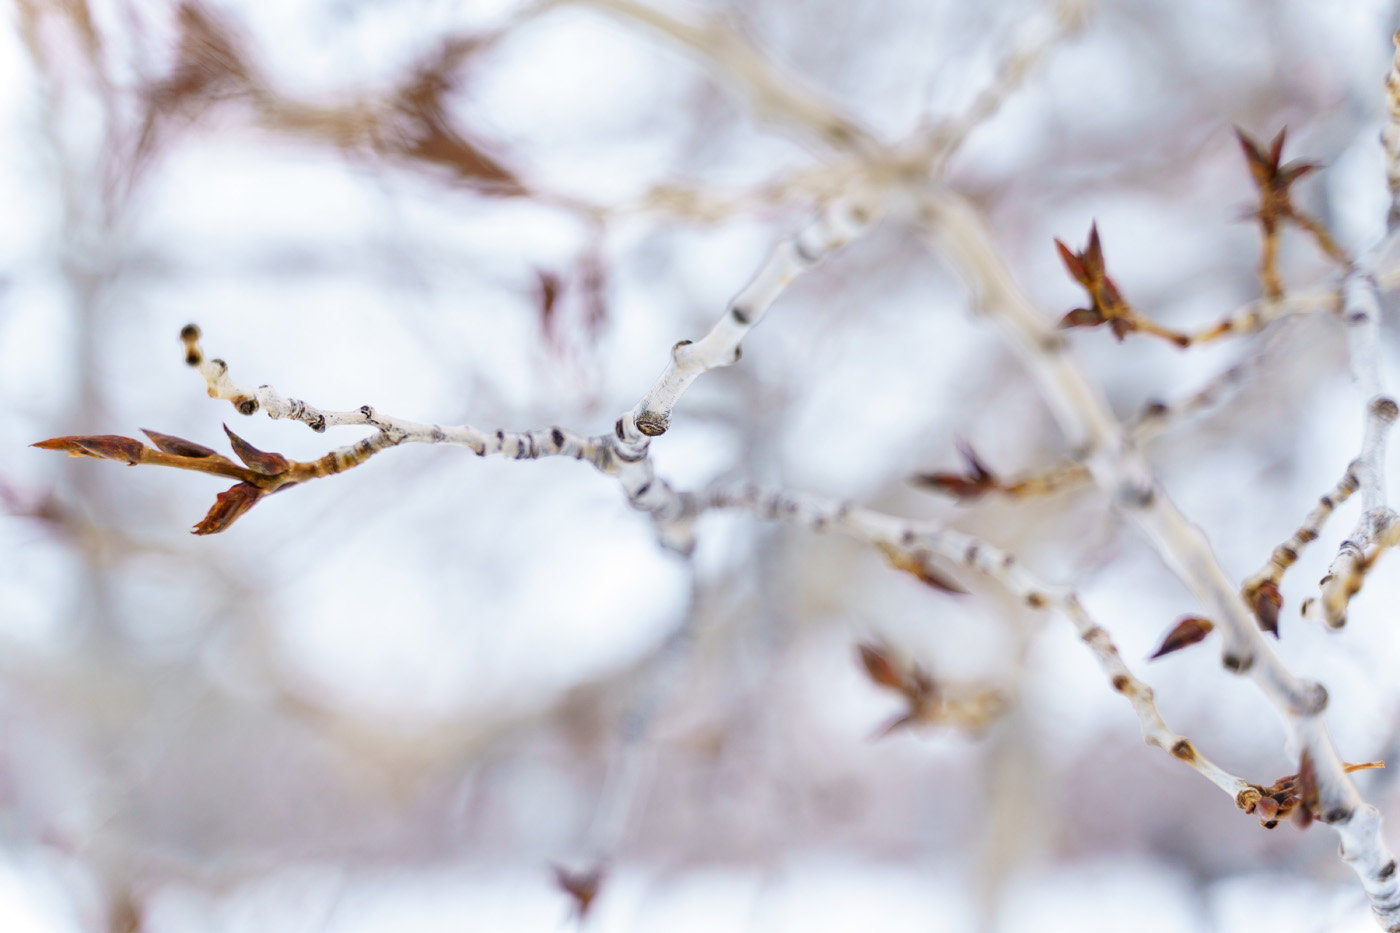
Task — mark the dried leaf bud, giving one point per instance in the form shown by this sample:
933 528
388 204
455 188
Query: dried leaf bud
178 446
1188 631
268 464
1266 601
102 446
878 665
228 507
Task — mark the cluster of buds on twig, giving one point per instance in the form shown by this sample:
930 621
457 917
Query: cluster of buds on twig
1294 796
1106 303
1274 181
262 474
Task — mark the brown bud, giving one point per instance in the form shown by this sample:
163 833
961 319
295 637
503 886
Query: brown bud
178 446
268 464
1082 317
228 507
1266 600
102 446
1188 631
1266 808
880 667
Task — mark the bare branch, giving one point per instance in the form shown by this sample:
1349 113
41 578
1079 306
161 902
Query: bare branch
923 541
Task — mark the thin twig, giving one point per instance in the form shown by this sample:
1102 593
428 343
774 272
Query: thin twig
918 542
1261 591
774 94
791 257
1390 137
1370 536
937 145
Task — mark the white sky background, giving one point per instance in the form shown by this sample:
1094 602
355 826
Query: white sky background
389 700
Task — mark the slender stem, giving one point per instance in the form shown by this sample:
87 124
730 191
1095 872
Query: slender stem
917 541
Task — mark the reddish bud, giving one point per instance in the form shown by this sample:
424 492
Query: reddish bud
228 507
1188 631
879 666
952 484
268 464
1267 810
1081 317
1072 263
178 446
102 446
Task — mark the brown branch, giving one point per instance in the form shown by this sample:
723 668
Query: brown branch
263 473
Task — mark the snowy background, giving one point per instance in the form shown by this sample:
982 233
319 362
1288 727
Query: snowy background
390 700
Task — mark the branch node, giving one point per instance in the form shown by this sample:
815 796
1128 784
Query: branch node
652 423
1312 699
1237 664
1340 815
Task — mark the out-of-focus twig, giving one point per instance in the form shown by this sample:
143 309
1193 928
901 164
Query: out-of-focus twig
937 145
923 542
774 94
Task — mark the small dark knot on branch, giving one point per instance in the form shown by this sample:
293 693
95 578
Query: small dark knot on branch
1135 495
1237 664
1312 700
1338 815
653 423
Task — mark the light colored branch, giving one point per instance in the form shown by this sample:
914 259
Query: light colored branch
1259 314
832 228
920 542
937 145
956 229
1261 590
1154 420
624 788
513 445
809 185
622 453
1390 136
1117 467
1370 536
1362 315
775 96
607 453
